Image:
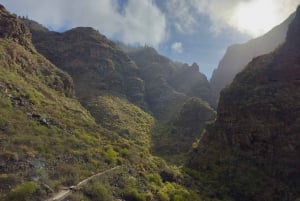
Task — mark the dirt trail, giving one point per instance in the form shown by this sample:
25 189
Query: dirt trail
62 194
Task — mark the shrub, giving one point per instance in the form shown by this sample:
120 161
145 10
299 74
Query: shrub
155 179
23 192
134 195
3 124
175 192
110 155
97 192
163 196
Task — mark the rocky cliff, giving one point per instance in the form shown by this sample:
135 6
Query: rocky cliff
11 28
252 150
239 55
93 61
168 84
179 96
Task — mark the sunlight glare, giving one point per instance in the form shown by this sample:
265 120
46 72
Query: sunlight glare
255 17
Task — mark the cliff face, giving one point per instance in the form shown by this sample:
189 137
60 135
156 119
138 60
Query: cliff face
96 65
256 134
238 56
168 84
14 29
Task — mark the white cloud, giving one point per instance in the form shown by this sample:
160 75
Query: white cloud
145 19
183 15
180 13
140 22
177 47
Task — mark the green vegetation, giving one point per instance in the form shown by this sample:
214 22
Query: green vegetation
110 155
97 192
49 136
24 192
121 116
174 139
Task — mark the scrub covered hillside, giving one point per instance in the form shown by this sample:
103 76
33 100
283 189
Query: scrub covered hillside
48 140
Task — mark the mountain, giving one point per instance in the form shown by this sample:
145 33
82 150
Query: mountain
179 96
142 76
42 127
94 62
252 150
168 84
239 55
99 65
49 141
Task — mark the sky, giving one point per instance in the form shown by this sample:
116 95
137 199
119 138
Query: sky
184 30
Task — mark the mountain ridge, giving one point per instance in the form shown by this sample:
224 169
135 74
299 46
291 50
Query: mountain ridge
251 151
239 55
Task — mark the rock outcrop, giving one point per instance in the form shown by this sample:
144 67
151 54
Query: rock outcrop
13 28
252 150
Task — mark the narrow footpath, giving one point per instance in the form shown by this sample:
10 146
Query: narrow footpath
65 192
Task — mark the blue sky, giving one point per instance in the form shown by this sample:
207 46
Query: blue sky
184 30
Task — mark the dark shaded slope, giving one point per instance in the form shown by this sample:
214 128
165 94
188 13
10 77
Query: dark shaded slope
169 84
252 150
96 65
174 139
178 96
239 55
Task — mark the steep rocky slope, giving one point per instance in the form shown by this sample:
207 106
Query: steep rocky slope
239 55
178 95
252 150
168 84
153 82
48 140
97 64
93 61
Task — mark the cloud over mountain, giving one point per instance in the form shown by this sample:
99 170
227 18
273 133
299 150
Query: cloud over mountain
133 21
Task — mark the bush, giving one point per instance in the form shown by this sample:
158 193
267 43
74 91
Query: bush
97 192
23 192
3 124
110 155
163 196
134 195
175 192
155 179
